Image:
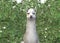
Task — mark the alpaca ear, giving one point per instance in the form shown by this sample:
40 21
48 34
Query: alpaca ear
35 9
28 9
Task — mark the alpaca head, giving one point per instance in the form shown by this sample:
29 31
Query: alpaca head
31 14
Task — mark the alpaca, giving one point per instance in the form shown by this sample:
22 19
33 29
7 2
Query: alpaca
30 35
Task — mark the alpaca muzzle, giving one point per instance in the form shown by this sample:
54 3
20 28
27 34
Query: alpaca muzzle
31 17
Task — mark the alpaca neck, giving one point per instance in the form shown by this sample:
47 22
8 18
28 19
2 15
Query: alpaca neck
30 26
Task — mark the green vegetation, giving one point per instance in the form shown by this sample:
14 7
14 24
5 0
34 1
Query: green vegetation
13 20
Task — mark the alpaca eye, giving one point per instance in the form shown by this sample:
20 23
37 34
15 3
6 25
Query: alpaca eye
28 13
33 13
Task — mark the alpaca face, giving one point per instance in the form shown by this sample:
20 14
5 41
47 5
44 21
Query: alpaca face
31 14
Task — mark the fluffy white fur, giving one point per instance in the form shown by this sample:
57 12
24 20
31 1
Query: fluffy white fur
30 35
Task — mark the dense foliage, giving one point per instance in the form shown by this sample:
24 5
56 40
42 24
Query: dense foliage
13 20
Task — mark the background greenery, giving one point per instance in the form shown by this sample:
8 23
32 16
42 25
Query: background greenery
13 20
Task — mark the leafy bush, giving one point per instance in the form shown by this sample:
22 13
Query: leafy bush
13 20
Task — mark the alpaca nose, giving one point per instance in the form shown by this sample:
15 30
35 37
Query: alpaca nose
30 16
